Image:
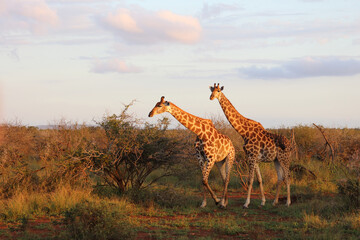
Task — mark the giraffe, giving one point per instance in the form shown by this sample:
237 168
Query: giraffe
211 146
259 146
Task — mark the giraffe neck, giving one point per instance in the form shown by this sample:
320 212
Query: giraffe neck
191 122
240 123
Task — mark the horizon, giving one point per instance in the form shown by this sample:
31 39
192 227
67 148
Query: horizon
283 64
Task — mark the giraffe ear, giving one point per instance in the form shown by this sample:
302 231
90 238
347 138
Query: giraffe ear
222 88
211 88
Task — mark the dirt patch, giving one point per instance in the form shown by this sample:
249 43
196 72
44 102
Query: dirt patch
42 227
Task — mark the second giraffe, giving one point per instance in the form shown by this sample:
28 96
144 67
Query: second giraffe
260 146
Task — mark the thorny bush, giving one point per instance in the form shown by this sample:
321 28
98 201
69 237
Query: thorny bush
133 151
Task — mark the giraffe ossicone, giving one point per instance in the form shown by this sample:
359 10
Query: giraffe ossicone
259 146
212 147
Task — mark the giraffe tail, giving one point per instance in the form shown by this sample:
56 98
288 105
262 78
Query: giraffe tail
282 142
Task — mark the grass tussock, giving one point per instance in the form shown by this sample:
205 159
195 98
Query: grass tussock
314 221
32 204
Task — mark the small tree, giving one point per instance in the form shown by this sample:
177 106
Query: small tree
133 151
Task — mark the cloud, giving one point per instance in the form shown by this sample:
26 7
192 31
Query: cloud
305 67
270 30
33 15
214 10
123 20
113 65
145 27
13 54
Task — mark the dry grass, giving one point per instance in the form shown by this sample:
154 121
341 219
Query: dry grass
32 204
314 221
353 220
41 174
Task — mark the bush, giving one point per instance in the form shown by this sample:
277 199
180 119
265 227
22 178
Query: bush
349 190
40 160
132 151
91 220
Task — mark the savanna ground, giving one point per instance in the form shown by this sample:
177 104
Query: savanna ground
127 179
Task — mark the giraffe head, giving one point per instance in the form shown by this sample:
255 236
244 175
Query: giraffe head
160 107
215 91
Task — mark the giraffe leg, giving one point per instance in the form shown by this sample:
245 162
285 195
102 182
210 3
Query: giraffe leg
203 204
228 165
206 172
225 170
258 175
280 174
285 167
221 166
202 160
251 180
288 201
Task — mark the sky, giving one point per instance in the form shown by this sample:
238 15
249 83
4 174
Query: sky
282 63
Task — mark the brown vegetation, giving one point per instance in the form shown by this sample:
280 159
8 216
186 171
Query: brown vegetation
57 171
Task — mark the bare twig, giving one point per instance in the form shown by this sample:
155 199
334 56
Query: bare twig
327 143
242 176
294 145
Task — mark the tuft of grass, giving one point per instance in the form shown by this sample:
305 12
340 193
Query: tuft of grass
30 204
23 204
65 197
349 190
352 221
314 221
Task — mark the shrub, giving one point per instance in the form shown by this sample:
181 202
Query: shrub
92 220
16 152
349 190
132 151
40 160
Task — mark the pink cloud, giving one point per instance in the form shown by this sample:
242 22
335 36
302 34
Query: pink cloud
145 27
185 29
123 20
113 65
34 15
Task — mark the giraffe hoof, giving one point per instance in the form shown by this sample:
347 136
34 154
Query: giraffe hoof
245 207
203 205
222 206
